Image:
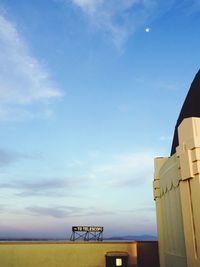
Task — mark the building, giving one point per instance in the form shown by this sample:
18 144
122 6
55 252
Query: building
177 189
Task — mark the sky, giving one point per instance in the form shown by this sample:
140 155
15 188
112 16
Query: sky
90 91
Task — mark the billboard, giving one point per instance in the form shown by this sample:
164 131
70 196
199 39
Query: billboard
87 229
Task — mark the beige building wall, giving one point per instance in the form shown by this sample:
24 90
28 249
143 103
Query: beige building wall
169 213
189 154
62 254
177 196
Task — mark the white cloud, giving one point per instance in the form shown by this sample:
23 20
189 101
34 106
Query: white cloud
89 6
124 170
121 18
66 211
166 138
24 83
75 164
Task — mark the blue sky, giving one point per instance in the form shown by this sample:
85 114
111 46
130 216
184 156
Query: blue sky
88 98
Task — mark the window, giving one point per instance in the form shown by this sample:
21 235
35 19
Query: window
118 262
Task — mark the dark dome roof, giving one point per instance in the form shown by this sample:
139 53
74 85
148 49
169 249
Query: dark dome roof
190 108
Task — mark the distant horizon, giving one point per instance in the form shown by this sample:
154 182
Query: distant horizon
105 238
67 235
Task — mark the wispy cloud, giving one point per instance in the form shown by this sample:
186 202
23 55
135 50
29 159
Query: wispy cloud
57 212
121 18
25 85
166 138
48 187
125 170
9 156
2 208
162 84
76 164
65 211
89 6
141 209
133 169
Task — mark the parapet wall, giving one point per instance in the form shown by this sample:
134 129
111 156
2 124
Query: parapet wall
177 196
62 254
76 254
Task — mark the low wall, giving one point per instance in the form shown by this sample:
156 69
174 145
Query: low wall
62 254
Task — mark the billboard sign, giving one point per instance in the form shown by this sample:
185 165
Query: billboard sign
87 229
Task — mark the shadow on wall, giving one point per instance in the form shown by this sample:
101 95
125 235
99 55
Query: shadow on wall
147 254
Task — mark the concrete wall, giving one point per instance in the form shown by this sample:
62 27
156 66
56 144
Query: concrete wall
177 196
62 254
